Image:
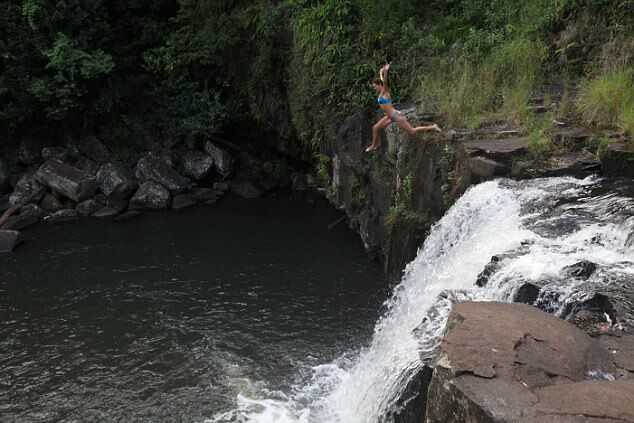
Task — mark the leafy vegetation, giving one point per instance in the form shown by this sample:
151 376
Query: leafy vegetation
138 71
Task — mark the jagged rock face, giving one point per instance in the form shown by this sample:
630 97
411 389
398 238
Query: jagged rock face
365 185
197 165
9 239
222 160
116 179
25 187
154 168
512 362
67 180
5 180
151 195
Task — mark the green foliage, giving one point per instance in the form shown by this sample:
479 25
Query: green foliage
70 71
538 144
401 210
323 173
608 100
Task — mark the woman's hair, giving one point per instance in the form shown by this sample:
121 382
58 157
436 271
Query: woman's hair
377 81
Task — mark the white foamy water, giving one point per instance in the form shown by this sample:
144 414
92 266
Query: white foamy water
544 225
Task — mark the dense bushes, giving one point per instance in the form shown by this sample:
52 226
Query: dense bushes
140 70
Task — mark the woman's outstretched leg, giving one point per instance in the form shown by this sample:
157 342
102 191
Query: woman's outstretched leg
376 132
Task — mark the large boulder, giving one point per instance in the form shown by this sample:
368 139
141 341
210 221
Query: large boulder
9 240
152 167
151 195
20 221
222 160
197 165
5 179
245 188
183 201
618 160
86 165
116 179
63 216
67 180
27 186
94 149
512 362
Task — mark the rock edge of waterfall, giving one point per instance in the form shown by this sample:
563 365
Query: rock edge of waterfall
513 362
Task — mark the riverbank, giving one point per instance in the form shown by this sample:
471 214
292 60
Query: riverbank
59 184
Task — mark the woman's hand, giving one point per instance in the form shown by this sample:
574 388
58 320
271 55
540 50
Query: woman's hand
387 65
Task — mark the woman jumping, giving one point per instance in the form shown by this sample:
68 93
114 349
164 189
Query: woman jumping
391 114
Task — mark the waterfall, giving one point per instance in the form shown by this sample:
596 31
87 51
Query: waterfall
536 229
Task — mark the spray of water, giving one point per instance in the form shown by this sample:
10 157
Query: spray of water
547 224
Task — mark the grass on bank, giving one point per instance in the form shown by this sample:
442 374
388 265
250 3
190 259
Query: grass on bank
607 100
501 83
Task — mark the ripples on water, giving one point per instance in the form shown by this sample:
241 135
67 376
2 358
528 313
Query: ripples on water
173 316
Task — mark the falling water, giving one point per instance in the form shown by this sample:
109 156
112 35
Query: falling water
536 227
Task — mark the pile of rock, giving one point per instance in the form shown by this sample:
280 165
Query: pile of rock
61 184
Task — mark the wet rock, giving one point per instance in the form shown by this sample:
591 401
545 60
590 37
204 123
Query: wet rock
105 213
527 293
151 167
5 178
412 404
151 195
222 160
117 180
20 221
25 187
618 160
88 207
182 201
579 164
221 186
206 194
9 240
63 216
94 149
487 168
197 165
58 154
130 214
582 270
87 166
34 210
512 362
491 267
50 203
245 188
67 180
504 150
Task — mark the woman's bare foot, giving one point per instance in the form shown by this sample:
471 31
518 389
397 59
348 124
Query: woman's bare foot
436 128
371 148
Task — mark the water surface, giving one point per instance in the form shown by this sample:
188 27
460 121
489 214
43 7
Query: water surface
172 316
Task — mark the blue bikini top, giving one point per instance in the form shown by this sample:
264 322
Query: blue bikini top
384 100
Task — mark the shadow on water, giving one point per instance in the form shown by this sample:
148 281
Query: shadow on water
170 316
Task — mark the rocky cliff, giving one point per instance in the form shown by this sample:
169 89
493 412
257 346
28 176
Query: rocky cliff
394 195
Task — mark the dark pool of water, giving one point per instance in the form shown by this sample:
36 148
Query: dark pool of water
170 316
